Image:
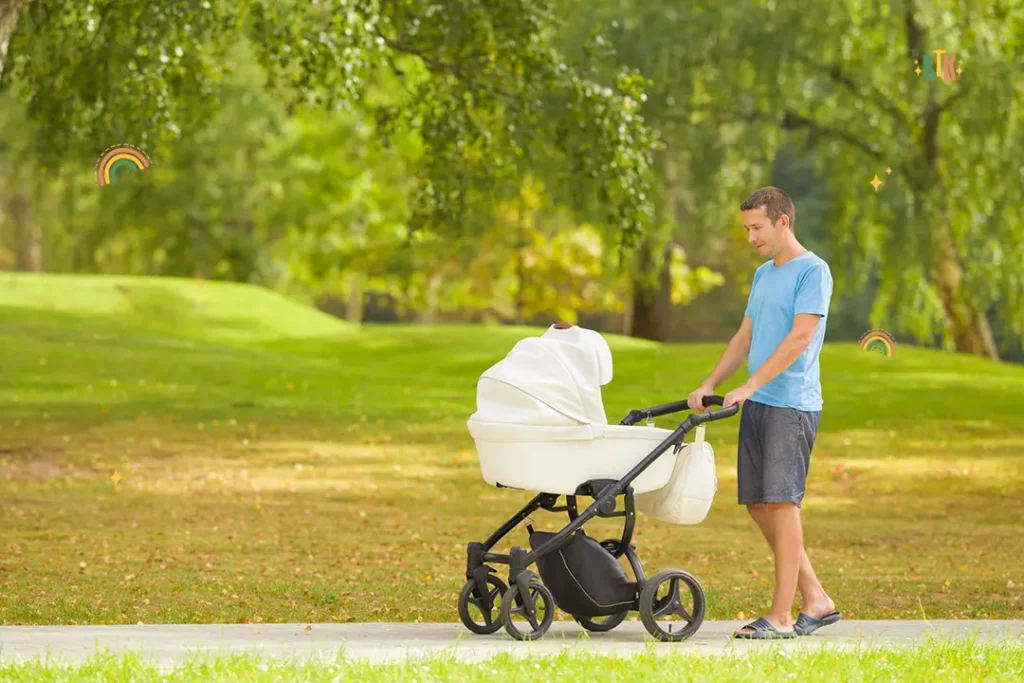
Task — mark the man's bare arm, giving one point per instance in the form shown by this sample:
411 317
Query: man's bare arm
788 350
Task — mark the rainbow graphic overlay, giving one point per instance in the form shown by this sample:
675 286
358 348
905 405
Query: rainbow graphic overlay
878 341
117 161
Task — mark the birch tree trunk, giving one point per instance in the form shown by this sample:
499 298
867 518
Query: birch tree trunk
9 11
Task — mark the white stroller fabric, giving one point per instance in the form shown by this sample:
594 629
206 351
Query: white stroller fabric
540 422
547 381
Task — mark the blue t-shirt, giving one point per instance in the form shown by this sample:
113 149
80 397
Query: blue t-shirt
801 285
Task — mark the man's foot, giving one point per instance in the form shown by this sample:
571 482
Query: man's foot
819 608
806 625
766 627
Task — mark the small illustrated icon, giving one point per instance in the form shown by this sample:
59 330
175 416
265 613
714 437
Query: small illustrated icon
878 341
938 67
118 161
875 182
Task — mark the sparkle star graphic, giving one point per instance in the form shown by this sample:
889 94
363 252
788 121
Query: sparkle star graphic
960 69
888 171
876 183
115 477
918 69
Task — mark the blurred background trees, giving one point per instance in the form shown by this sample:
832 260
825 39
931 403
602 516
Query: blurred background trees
430 162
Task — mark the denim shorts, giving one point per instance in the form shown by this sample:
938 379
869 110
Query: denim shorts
774 453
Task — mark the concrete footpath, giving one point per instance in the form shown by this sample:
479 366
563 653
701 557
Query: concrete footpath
167 644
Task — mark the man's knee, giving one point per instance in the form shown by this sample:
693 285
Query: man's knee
757 511
779 510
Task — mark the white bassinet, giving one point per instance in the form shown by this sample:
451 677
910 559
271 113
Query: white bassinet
540 425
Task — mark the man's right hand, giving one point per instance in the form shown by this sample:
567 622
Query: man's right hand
696 397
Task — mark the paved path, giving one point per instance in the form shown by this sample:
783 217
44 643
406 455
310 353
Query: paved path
170 643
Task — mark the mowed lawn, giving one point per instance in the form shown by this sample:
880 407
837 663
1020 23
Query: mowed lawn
277 464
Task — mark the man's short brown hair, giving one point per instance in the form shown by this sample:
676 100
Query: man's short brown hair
774 201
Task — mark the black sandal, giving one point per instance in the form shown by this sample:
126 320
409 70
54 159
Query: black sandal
763 630
806 624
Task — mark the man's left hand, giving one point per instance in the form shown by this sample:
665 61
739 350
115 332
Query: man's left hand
737 395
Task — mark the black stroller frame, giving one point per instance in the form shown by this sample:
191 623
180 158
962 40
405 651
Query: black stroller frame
524 588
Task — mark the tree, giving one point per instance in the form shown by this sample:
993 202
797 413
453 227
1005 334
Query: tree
9 11
20 189
487 88
707 158
946 230
943 234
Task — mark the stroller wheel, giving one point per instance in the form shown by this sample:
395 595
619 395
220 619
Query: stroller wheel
601 624
672 605
487 606
518 623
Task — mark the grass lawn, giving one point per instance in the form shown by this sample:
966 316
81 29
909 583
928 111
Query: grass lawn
951 661
277 464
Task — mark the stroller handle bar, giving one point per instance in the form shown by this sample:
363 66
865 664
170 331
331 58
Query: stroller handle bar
636 416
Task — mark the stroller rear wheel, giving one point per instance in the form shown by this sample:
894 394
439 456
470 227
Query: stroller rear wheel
601 624
669 613
514 607
488 606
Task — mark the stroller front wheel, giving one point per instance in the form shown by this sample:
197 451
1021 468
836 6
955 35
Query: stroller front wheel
489 606
514 607
662 598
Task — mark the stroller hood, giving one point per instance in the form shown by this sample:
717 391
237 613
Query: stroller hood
551 380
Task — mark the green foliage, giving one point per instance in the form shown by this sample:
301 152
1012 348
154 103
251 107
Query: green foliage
733 81
371 141
843 73
488 92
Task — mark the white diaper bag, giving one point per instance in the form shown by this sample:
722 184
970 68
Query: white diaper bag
687 496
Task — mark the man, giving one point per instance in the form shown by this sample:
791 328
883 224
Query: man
781 336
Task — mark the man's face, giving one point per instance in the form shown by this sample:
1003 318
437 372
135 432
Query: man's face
766 236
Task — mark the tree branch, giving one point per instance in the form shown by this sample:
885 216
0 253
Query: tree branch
836 74
793 121
948 102
10 10
438 65
915 33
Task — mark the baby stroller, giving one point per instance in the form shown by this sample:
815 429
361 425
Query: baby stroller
540 425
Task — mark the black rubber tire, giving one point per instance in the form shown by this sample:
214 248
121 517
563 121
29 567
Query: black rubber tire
467 619
647 608
606 624
539 590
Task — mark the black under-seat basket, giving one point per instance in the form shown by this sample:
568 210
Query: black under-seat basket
583 577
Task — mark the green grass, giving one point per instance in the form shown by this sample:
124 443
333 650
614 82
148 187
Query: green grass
280 465
953 660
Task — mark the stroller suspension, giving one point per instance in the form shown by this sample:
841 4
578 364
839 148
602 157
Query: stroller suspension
525 606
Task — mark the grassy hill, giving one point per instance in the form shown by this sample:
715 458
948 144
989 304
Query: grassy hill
278 464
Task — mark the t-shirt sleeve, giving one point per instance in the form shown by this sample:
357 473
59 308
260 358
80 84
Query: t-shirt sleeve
814 290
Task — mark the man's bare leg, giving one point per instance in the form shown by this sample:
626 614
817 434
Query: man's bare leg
789 545
785 536
815 601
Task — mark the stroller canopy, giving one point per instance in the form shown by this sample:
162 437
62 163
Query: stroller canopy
551 380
